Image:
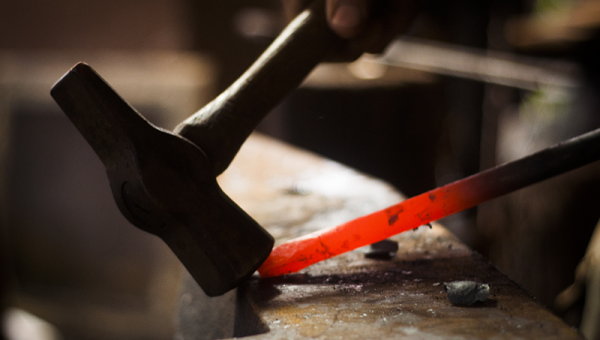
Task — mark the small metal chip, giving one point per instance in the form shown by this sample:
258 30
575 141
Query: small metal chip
382 250
466 292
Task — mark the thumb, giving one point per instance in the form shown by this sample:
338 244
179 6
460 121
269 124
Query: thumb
347 18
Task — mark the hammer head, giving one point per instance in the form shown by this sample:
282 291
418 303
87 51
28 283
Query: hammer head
165 185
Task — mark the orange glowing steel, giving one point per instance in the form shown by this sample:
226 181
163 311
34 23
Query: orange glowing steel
433 205
296 254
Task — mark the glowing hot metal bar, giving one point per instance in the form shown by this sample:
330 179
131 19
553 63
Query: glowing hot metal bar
299 253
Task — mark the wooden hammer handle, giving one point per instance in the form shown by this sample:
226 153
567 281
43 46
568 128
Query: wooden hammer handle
222 126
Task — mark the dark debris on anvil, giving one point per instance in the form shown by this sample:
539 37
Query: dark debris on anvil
466 292
382 250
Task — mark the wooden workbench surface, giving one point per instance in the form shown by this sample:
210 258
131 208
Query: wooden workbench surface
291 193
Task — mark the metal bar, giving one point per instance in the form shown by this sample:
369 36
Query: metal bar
433 205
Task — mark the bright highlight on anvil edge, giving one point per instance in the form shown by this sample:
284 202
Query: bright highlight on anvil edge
466 193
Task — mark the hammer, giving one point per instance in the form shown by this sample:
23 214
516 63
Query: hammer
165 183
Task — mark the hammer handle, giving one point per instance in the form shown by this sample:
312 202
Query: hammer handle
223 125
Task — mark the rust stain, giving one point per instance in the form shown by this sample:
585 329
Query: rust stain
309 321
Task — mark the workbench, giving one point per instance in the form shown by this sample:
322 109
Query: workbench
291 193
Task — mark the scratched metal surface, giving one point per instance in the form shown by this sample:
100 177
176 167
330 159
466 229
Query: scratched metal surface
291 193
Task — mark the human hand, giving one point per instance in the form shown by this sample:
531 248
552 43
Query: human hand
348 18
369 25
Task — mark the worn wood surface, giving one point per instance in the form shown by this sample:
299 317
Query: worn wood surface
291 193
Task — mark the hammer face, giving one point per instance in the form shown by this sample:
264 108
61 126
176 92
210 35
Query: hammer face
164 184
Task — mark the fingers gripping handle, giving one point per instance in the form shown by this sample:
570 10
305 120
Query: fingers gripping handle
222 126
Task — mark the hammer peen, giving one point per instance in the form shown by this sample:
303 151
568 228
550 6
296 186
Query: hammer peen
165 183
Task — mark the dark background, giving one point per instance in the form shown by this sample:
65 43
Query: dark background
65 245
